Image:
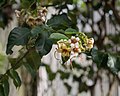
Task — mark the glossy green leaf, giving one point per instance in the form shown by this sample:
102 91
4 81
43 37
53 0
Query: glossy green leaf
13 63
114 63
18 36
59 22
6 87
40 29
33 62
70 31
97 56
100 58
57 36
1 91
43 44
16 79
36 30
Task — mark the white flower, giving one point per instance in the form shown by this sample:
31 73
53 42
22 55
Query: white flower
17 13
92 40
76 45
73 37
69 41
77 38
90 43
72 45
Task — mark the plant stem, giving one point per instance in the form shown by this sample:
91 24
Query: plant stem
13 67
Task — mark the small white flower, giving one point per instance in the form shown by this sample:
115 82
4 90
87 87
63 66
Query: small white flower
90 43
17 13
77 38
73 37
72 52
77 45
72 45
69 41
92 40
75 54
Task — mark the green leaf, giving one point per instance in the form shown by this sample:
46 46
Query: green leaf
70 31
18 36
6 87
59 22
5 84
13 62
100 58
58 36
36 30
16 79
40 29
33 62
114 63
43 44
105 60
1 91
97 56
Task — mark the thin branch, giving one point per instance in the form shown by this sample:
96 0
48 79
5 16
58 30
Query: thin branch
16 64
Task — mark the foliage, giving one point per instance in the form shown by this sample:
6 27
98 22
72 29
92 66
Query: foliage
37 35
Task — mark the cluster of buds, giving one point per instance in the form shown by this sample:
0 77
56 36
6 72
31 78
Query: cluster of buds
74 46
32 19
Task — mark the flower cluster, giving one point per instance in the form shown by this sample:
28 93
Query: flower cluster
31 18
64 48
74 46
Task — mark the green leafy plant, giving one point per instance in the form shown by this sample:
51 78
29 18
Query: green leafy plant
36 35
